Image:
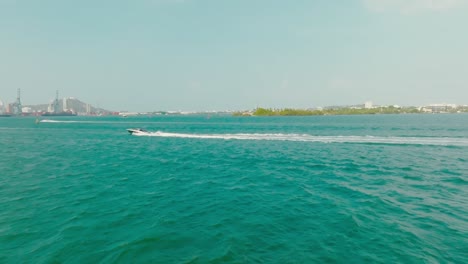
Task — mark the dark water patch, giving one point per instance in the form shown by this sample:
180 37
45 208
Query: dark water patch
456 181
449 172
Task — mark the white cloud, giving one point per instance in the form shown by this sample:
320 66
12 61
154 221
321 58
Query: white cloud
412 6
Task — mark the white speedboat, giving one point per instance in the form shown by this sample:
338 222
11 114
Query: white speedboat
136 131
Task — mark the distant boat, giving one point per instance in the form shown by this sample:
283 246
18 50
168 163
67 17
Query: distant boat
136 131
59 114
127 114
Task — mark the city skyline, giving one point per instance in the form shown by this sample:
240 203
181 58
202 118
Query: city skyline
232 55
60 104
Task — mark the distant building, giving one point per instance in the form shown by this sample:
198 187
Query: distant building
16 107
27 110
88 109
425 110
439 108
50 107
65 108
368 105
2 107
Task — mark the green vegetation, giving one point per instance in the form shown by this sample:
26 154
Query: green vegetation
348 111
331 111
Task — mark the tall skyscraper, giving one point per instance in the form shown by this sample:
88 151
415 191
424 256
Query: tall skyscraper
17 108
2 107
65 107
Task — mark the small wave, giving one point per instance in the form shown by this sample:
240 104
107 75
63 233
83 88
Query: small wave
77 121
50 121
60 121
436 141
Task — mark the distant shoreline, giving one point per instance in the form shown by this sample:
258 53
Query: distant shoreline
349 111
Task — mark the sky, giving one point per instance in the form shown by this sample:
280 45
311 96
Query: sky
201 55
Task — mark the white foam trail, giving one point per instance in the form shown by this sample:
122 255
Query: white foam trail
437 141
78 121
52 121
115 122
65 121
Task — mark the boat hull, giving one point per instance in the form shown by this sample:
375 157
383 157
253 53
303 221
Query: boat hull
136 131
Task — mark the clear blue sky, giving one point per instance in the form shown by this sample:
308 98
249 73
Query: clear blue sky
145 55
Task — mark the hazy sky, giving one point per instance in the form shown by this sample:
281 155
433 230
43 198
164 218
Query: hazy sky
143 55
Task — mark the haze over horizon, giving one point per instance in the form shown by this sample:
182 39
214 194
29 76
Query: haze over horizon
148 55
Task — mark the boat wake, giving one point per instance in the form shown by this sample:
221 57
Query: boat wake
435 141
98 122
57 121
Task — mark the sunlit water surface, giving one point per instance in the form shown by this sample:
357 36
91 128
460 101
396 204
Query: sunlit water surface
222 189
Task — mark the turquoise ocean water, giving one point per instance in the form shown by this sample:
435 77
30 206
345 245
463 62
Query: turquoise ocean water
223 189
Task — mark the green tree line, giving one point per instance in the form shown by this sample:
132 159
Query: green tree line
338 111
